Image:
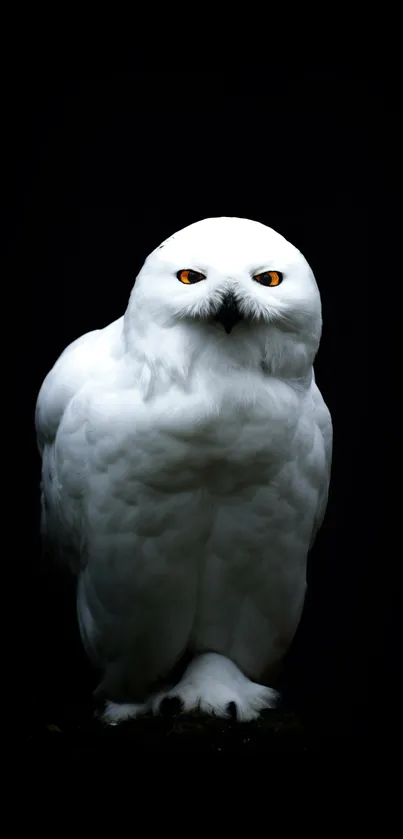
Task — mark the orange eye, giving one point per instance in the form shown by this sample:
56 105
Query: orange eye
269 278
188 277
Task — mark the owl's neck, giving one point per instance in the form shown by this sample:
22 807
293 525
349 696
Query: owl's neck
183 354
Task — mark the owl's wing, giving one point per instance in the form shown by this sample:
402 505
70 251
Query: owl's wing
324 425
68 374
78 364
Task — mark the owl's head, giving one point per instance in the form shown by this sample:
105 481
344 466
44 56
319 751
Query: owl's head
230 279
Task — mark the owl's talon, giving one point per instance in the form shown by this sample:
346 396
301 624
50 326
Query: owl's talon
170 706
231 710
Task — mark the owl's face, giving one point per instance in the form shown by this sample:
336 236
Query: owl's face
229 274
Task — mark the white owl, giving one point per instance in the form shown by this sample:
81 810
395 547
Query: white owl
186 455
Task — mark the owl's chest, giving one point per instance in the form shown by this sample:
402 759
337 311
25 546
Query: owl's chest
217 440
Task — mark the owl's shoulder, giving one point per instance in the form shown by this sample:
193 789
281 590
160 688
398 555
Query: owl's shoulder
81 363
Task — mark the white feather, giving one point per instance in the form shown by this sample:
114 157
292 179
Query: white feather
185 470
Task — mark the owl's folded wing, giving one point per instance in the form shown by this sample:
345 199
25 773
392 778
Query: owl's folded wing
78 364
324 425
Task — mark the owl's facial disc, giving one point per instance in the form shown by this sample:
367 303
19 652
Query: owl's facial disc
229 313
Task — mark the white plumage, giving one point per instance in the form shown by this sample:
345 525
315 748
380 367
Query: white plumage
185 470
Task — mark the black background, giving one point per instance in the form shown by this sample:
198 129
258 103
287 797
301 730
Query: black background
108 163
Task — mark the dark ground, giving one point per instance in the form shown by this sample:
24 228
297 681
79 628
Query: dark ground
75 732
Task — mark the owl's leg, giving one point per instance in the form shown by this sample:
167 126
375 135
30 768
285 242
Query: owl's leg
214 685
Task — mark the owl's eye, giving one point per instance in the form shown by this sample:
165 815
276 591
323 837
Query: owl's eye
269 278
188 277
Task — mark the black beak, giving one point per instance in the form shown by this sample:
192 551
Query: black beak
228 314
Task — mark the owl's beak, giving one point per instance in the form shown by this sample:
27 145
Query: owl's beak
228 314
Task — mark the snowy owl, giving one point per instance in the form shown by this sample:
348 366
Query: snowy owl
186 456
